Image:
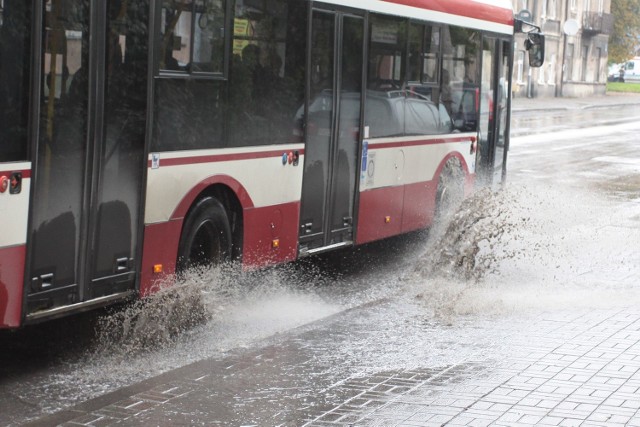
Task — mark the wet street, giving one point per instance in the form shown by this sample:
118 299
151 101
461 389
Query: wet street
523 310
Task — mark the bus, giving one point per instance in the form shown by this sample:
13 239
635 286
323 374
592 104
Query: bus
141 138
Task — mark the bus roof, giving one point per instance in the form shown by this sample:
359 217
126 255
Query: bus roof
488 15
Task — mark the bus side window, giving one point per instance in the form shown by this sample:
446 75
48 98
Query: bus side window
193 36
15 54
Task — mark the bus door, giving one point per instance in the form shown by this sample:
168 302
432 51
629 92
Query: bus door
494 124
89 160
333 122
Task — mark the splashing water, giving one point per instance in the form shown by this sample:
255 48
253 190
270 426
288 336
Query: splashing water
253 304
532 247
156 320
464 245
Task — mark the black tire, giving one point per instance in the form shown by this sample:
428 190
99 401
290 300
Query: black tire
206 237
450 191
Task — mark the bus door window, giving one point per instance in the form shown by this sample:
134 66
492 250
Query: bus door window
487 109
61 156
460 76
320 121
502 111
15 54
384 104
426 103
122 149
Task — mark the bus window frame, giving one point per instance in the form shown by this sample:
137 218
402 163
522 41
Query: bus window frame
159 72
434 26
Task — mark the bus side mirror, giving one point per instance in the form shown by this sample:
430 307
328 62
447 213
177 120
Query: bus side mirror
535 45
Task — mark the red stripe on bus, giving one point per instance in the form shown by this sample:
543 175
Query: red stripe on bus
216 158
399 144
26 173
11 285
466 8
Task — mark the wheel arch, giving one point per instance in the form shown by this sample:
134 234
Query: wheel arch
464 166
233 197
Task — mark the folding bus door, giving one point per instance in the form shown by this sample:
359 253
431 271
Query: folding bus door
332 131
494 111
89 160
502 102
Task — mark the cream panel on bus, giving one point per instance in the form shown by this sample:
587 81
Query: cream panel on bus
266 179
409 164
14 209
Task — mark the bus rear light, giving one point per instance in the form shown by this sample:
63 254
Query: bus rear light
4 184
275 243
157 268
387 220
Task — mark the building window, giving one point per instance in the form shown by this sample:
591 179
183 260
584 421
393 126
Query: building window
598 64
585 62
552 70
552 7
520 67
573 4
568 76
541 80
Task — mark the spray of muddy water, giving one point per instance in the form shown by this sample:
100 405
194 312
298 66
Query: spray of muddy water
529 248
218 306
158 319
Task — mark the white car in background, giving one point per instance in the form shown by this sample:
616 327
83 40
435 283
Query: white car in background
613 72
632 70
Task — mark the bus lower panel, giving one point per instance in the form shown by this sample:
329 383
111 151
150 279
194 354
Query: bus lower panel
270 235
389 211
11 285
160 248
419 205
380 214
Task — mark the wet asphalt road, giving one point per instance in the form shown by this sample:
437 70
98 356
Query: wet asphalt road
575 180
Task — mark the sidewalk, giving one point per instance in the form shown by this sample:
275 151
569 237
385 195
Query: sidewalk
560 369
609 100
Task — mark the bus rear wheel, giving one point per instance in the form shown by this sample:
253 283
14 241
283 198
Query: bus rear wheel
206 237
450 191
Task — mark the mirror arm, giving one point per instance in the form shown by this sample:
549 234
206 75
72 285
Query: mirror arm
519 26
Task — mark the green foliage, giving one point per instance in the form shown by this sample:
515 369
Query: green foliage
626 29
623 87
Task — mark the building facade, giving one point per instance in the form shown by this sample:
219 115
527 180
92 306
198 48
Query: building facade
576 48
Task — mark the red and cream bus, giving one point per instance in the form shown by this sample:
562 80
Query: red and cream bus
139 138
